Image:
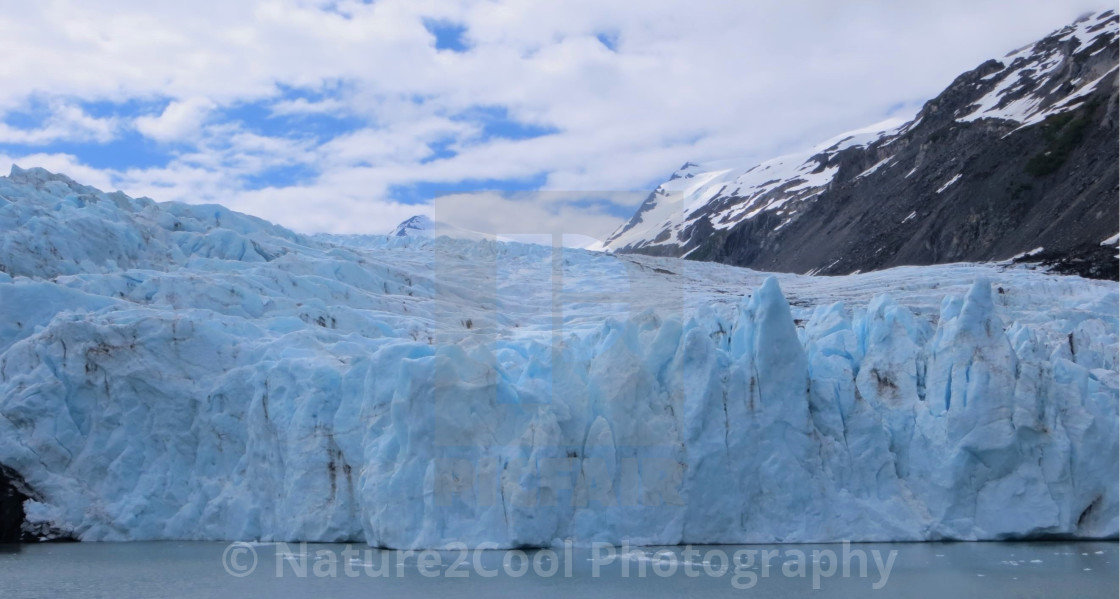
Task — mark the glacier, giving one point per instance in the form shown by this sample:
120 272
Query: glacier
172 371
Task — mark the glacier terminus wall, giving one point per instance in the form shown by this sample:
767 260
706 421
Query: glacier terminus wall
187 372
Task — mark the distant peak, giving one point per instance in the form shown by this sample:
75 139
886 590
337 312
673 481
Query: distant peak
413 226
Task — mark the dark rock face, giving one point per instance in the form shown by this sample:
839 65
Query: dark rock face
952 189
12 497
14 527
1091 261
997 209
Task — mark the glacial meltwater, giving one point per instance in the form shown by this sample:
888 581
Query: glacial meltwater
207 569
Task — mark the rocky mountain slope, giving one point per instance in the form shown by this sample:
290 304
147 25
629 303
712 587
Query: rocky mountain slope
1017 157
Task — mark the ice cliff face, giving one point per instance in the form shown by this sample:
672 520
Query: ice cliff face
186 372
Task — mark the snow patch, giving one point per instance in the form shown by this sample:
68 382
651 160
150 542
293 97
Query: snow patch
948 183
875 167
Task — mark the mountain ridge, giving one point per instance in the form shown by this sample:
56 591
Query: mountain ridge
1015 154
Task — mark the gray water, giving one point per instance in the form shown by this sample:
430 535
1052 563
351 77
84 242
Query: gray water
180 570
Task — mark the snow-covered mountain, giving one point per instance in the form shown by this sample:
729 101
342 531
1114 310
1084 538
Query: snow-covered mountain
1018 154
415 226
186 372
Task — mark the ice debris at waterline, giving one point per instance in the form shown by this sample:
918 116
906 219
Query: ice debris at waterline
187 372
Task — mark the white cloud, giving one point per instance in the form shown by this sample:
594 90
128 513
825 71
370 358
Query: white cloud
532 213
181 120
60 163
686 81
321 208
305 106
65 122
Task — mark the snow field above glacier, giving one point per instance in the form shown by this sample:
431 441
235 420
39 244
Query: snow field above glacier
187 372
680 200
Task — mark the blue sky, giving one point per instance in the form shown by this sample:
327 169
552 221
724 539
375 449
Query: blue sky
348 116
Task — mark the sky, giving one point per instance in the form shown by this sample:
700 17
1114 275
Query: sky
348 117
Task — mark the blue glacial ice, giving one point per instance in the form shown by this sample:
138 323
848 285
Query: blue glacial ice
170 371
